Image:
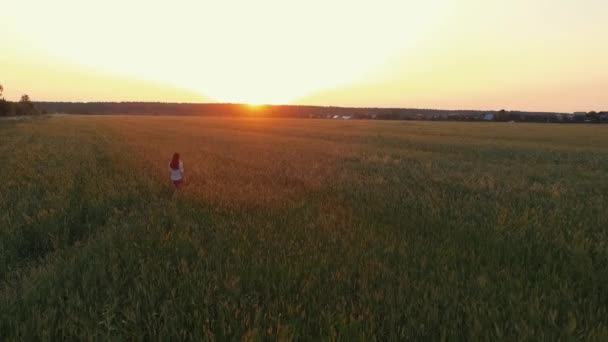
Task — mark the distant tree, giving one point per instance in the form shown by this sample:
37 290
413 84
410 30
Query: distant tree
502 115
26 106
593 116
6 108
578 118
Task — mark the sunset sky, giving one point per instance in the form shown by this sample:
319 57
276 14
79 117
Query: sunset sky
545 55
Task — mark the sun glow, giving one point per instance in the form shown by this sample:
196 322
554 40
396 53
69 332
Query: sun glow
434 53
287 50
255 107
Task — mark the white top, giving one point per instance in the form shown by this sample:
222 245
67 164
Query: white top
177 174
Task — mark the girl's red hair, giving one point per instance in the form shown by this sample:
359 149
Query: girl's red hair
175 161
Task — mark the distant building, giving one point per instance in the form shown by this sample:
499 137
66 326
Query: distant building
488 117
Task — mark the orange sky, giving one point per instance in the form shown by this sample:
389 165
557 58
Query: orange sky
473 54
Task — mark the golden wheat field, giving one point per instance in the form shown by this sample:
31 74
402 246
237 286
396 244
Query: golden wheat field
293 229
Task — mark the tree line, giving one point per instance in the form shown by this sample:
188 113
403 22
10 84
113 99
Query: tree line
25 106
316 112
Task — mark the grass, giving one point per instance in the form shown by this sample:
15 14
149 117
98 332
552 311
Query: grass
302 230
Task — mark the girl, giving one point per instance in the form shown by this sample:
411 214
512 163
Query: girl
176 170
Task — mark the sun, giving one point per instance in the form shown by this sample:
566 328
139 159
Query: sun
255 106
254 109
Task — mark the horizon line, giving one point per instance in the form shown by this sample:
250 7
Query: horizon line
319 106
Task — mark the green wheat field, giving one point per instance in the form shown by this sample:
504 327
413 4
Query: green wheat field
292 229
